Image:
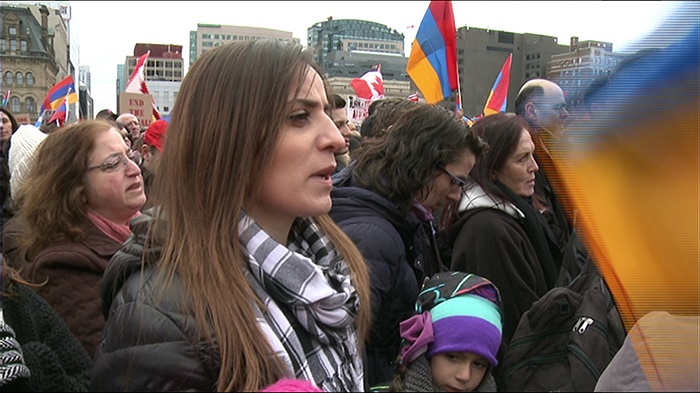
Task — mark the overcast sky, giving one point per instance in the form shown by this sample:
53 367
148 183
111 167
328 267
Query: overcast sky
108 31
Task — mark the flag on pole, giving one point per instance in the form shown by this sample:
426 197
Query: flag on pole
433 62
370 86
62 93
61 114
6 98
137 83
458 105
498 97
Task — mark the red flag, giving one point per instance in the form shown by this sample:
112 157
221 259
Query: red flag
369 86
137 83
498 97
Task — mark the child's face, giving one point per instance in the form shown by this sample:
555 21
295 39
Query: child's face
458 371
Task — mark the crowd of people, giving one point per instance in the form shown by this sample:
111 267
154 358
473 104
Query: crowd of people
264 242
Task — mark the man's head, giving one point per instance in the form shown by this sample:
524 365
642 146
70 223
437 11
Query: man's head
541 102
131 123
153 140
340 117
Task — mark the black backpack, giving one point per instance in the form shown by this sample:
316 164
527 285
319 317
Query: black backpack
568 337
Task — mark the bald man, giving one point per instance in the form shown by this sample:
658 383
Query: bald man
541 103
131 123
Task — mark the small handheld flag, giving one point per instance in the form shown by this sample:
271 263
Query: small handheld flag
498 97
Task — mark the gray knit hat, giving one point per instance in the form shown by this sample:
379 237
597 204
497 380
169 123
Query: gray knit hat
23 145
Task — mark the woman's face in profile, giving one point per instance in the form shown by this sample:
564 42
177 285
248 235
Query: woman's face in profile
6 127
518 172
297 183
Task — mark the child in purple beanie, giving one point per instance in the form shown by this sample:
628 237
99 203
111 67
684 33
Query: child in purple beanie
450 345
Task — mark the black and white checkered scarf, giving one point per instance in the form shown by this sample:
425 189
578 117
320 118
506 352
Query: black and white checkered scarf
310 304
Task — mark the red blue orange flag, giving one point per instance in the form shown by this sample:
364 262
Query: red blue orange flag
498 97
62 93
61 113
433 62
635 184
58 93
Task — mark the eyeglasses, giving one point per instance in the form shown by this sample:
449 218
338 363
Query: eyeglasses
116 163
455 180
559 107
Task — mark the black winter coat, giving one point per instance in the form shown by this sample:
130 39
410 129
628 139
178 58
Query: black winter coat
396 247
148 346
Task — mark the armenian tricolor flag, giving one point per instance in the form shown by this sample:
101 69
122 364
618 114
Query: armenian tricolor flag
433 62
498 97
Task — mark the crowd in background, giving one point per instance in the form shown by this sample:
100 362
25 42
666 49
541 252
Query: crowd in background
272 244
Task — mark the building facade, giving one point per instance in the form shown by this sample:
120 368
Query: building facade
208 36
352 35
480 57
85 100
34 54
164 71
585 61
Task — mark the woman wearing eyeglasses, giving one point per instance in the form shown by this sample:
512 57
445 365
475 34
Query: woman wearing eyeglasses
496 232
78 198
385 200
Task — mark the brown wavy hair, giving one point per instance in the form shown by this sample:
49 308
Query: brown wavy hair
405 160
223 132
53 199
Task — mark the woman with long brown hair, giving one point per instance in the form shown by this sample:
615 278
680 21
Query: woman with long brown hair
237 277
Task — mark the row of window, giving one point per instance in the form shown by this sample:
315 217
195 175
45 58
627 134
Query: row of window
13 45
28 107
229 37
18 79
157 63
370 45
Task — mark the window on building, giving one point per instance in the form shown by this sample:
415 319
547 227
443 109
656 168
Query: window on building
13 45
9 78
23 46
14 105
12 30
3 45
166 109
505 37
216 36
19 79
30 79
30 105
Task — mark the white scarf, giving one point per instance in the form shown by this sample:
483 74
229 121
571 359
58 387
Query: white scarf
310 304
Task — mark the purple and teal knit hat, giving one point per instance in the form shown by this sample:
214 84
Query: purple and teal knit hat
455 312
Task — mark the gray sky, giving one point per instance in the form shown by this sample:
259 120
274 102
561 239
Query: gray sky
108 31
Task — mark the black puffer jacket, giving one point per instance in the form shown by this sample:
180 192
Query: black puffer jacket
148 346
395 247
